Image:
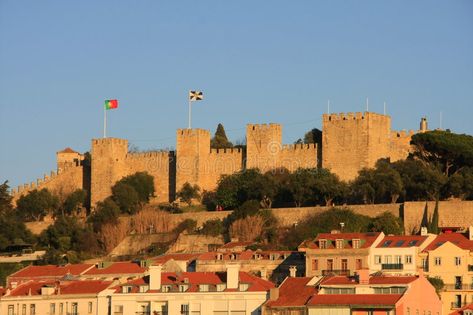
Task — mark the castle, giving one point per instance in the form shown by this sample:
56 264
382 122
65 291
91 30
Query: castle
349 142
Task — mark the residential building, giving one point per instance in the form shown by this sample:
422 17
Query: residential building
339 253
196 293
466 310
361 294
450 258
272 265
399 255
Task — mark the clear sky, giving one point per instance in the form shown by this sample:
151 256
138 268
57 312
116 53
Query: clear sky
255 61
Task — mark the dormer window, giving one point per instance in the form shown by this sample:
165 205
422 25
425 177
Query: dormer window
166 288
233 257
219 257
221 287
322 244
356 243
339 243
203 287
244 286
183 287
144 288
127 289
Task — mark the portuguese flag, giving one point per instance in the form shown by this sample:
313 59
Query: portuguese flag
111 104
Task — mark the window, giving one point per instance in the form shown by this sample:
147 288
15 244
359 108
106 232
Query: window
408 259
221 287
356 243
126 289
166 288
144 288
52 308
315 264
203 287
344 264
377 259
183 287
399 243
322 244
74 309
23 309
339 290
184 309
339 243
389 290
61 309
11 309
386 243
412 243
398 259
388 259
244 286
33 310
330 264
438 261
458 261
89 307
425 263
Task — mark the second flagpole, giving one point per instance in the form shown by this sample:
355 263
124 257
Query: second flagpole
190 113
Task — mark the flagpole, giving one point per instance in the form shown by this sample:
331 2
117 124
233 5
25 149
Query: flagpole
104 122
190 113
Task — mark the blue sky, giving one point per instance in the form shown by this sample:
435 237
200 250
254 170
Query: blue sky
255 61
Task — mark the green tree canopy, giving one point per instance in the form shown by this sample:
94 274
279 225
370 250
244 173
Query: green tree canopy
126 197
74 202
142 183
107 211
220 140
189 192
387 223
37 204
448 150
5 199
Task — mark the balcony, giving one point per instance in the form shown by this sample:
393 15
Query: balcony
458 287
392 266
470 268
339 272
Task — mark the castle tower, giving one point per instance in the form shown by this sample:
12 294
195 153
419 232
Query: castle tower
108 166
351 142
423 124
67 158
192 152
263 146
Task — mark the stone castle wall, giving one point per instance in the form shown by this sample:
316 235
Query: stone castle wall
350 142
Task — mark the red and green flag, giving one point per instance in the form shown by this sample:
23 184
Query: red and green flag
111 104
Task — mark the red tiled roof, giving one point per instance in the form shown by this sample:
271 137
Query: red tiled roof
367 238
460 311
293 292
342 280
177 257
354 299
194 279
236 244
398 241
246 255
455 238
118 268
68 150
66 287
49 271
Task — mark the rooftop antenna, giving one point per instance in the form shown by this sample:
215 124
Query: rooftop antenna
328 106
367 104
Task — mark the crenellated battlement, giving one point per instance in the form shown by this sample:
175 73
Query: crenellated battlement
351 116
226 151
192 132
402 134
107 141
264 127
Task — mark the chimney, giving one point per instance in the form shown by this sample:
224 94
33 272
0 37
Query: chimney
155 277
424 231
292 271
233 274
264 273
273 294
363 276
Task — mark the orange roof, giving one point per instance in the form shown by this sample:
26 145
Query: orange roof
368 239
342 280
355 299
50 271
246 255
293 292
455 238
397 241
460 311
231 245
68 150
194 279
66 287
124 267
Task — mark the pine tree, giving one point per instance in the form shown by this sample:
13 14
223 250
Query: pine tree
434 224
425 217
5 198
220 140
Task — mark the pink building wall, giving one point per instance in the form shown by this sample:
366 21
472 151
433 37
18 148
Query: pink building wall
420 296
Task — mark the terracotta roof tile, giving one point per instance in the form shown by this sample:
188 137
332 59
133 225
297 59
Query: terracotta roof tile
68 150
455 238
366 238
49 271
342 280
395 241
293 292
118 268
66 287
354 299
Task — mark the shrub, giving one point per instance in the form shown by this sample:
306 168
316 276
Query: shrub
212 228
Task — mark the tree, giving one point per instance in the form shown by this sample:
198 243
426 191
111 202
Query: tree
5 199
220 140
450 151
459 185
74 202
420 181
126 197
212 227
189 192
142 183
434 223
13 231
37 204
107 211
300 183
327 186
437 283
311 136
387 223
